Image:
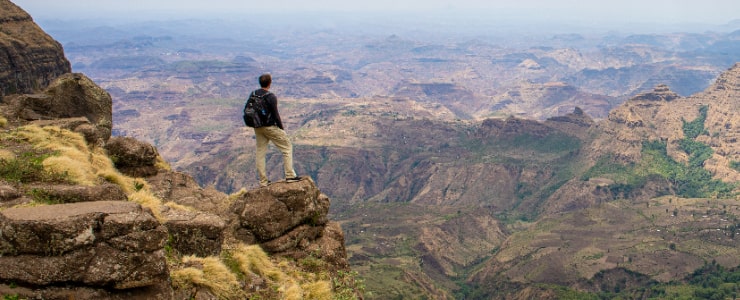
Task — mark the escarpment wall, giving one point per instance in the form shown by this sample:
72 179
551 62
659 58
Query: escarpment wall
29 58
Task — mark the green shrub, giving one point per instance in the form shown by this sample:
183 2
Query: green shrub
735 165
696 127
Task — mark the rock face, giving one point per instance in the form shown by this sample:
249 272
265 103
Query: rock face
182 189
290 220
100 244
72 101
195 233
29 58
133 157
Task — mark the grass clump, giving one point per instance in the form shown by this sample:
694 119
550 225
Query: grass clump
147 200
72 154
231 276
63 155
285 278
28 167
211 273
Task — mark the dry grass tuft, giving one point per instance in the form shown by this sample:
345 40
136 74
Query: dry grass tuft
73 159
86 166
147 200
81 174
214 275
289 281
3 122
161 164
177 206
6 154
252 259
319 290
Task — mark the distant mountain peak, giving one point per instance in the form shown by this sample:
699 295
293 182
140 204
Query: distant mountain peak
660 93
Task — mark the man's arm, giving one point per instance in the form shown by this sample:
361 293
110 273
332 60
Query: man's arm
273 102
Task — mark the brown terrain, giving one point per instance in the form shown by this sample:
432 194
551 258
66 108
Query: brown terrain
456 169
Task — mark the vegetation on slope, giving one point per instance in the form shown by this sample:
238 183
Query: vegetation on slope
712 281
688 180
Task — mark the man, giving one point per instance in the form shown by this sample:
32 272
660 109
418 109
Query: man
273 132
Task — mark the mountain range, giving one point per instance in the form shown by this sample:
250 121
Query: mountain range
467 168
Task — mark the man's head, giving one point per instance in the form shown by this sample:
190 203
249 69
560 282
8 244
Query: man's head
265 80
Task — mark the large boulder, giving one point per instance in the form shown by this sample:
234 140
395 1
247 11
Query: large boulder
270 212
133 157
98 245
71 101
194 232
289 219
182 189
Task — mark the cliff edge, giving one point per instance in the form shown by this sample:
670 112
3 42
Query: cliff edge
29 58
84 215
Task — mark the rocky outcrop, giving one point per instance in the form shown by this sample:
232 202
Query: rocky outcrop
92 245
133 157
29 58
72 101
512 127
194 233
660 93
289 220
182 189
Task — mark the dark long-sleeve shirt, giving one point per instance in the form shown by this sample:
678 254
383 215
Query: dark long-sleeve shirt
272 105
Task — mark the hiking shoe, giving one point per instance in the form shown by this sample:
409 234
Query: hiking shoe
268 183
293 179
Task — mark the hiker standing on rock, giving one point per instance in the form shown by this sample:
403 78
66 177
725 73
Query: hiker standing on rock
271 131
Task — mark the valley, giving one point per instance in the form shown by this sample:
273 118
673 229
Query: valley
460 166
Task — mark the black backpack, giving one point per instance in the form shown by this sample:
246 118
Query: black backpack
256 112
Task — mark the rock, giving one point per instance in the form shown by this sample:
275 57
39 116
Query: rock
8 192
161 290
577 117
195 233
133 157
79 193
297 238
70 96
80 125
275 210
329 248
99 244
76 95
182 189
659 93
290 219
512 127
29 58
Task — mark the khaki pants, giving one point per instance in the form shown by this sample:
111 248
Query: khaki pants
280 139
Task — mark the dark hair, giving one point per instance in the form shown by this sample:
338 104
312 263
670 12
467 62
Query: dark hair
265 80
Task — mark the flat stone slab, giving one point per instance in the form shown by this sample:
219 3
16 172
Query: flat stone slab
98 244
50 212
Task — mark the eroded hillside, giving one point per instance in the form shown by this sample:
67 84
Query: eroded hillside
465 169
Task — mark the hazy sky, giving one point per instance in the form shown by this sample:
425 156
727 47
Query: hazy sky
619 11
